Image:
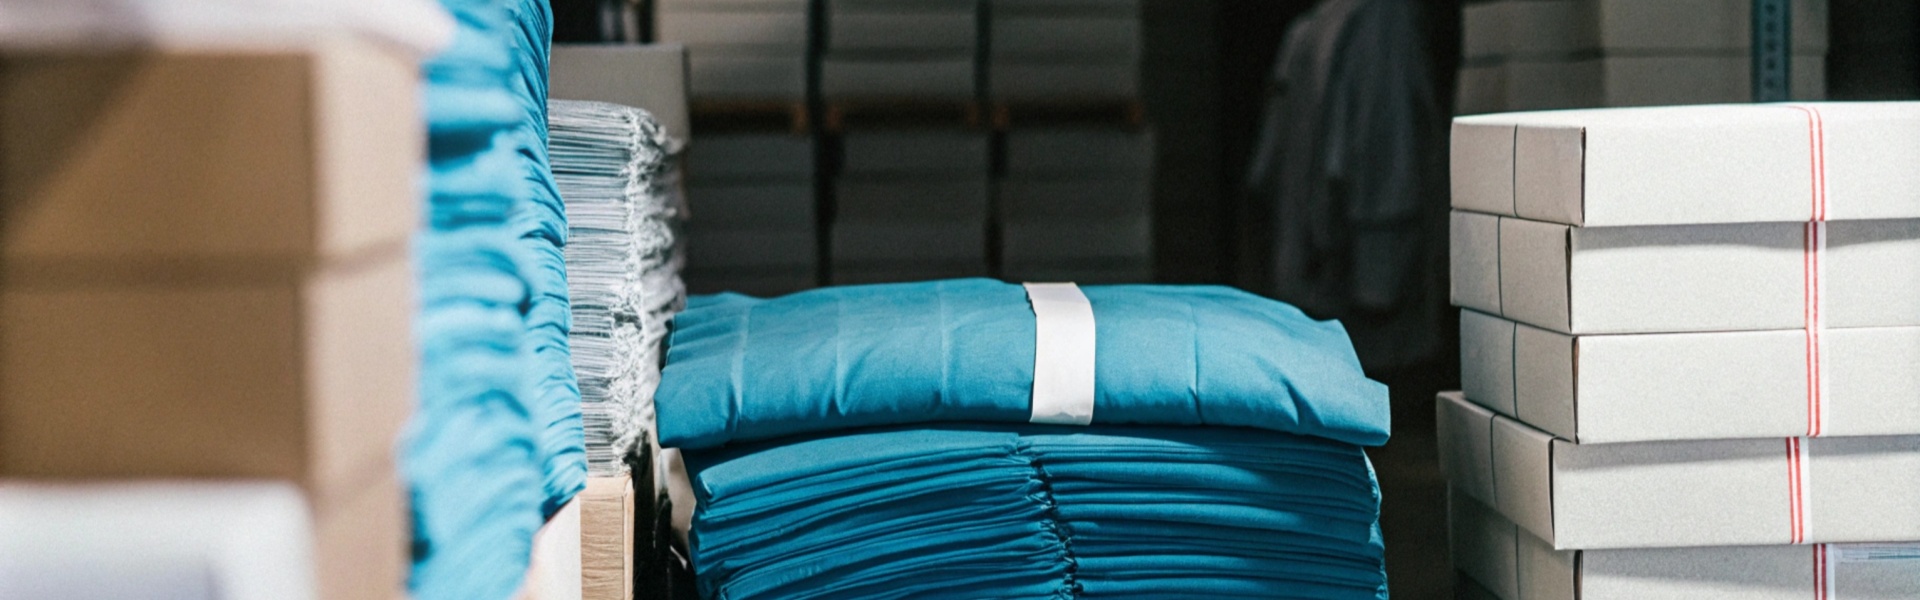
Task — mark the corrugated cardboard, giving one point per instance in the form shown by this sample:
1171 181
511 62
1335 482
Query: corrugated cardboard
1512 564
1682 165
1649 387
1560 28
607 539
555 572
1680 494
1680 278
652 77
1552 84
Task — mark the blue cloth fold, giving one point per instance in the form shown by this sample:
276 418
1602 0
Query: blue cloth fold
742 368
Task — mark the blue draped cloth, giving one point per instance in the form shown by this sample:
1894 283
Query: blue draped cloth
1024 511
742 368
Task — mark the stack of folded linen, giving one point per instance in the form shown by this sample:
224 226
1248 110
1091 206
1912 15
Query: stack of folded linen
1076 204
1064 50
751 224
910 205
972 438
890 50
740 51
1688 350
623 272
1554 54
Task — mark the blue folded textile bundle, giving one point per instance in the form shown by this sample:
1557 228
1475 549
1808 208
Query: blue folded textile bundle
1223 459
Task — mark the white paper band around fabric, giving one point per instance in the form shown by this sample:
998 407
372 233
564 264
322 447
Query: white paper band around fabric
1063 354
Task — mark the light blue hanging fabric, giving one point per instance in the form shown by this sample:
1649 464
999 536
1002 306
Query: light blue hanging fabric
540 225
741 368
1024 511
470 458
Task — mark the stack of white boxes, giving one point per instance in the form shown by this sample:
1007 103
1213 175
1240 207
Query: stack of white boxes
1554 54
741 51
910 205
1690 351
1076 204
1063 50
751 223
891 50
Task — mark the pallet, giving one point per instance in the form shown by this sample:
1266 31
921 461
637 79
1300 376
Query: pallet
1008 114
750 115
838 115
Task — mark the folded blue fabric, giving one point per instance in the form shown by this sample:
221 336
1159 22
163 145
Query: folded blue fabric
1025 511
742 368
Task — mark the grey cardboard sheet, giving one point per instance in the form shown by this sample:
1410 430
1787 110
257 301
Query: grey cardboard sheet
1687 386
1559 28
1684 494
1043 240
1681 278
955 32
1078 152
1068 199
904 241
1094 38
747 75
943 200
1511 564
745 157
715 248
913 154
1008 80
1680 165
888 76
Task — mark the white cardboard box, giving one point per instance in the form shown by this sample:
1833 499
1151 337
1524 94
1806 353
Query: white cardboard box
1746 163
1560 28
1618 81
1647 387
652 77
1511 564
891 76
1682 494
1678 278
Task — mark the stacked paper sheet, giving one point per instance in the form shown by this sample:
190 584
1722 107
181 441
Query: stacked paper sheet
751 224
1076 204
910 205
890 50
1064 50
891 445
1553 54
1687 327
740 51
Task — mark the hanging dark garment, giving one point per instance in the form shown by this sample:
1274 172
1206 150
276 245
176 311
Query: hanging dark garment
1347 193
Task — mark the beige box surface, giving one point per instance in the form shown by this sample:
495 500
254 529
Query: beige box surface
1682 494
651 77
607 538
1679 165
1511 564
555 571
1682 278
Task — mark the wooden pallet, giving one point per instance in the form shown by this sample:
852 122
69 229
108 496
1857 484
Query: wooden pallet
749 115
1008 113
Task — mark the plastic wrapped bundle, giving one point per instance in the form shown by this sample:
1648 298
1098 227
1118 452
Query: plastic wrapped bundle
1038 512
613 165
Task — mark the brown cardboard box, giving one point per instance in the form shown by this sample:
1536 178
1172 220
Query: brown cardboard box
607 538
204 274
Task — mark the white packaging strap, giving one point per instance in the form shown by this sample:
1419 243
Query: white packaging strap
1063 354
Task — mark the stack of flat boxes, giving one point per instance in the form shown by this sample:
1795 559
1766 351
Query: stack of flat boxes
910 205
1689 346
1075 205
891 50
1053 50
205 255
740 51
1554 54
751 225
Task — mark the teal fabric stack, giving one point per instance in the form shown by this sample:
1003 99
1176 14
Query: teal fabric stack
870 441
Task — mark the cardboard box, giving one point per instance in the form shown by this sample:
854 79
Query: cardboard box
1090 38
1648 387
892 76
1044 81
651 77
1116 197
936 200
1616 81
761 31
733 75
607 538
911 155
791 249
556 569
1682 494
1564 28
1683 165
742 157
1679 278
754 205
909 242
1078 153
1043 241
1511 564
916 31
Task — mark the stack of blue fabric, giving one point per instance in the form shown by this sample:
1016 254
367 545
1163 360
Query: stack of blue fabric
873 441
